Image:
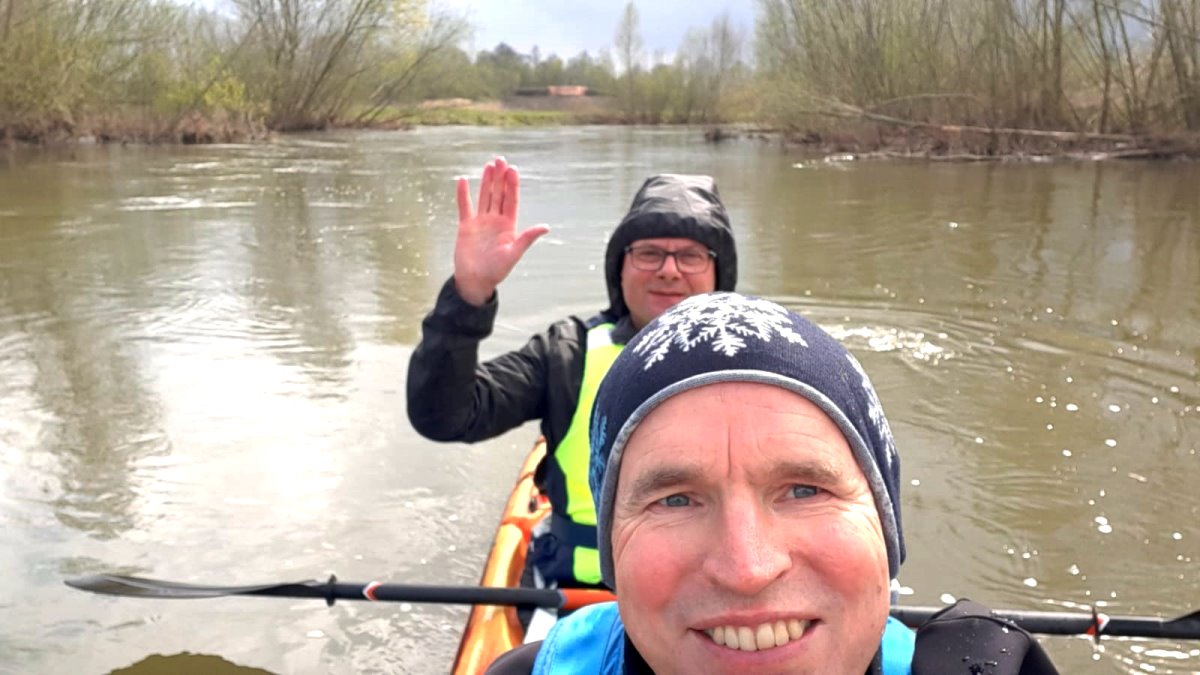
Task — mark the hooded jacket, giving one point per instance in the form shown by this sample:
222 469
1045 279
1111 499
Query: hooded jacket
454 397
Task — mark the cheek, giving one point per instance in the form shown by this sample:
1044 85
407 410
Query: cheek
647 567
705 283
852 558
632 285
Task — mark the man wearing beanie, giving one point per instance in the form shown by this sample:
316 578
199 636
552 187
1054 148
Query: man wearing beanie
674 242
748 511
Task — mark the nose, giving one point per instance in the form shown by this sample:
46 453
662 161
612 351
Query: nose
669 268
748 553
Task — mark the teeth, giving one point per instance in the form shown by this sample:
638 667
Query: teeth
763 636
745 639
781 633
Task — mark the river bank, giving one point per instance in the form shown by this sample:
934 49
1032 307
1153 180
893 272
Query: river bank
830 138
135 125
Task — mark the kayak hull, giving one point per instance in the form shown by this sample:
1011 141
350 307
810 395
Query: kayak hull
491 630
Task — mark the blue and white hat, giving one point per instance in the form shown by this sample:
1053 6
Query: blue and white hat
729 337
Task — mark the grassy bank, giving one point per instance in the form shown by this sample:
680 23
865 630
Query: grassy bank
480 117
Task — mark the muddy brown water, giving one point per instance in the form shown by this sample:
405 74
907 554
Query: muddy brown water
203 353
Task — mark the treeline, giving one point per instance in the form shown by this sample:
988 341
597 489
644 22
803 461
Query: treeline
707 79
160 69
1093 66
157 69
154 69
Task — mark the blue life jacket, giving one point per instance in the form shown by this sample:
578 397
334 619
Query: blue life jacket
592 640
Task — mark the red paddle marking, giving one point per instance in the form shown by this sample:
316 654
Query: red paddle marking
369 591
1099 623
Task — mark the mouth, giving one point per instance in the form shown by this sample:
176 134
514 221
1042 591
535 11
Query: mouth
764 636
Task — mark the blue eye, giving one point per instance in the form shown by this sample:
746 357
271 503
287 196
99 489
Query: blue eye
675 501
804 491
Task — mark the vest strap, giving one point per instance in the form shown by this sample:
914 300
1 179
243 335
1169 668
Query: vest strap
572 533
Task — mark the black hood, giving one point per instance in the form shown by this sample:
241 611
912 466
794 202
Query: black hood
670 205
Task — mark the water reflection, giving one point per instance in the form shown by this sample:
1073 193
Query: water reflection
76 389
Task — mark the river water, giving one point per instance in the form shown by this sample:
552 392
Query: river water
203 355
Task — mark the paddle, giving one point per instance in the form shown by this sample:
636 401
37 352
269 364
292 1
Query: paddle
1046 623
331 590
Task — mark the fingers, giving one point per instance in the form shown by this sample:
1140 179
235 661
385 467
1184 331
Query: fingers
485 188
464 199
499 171
498 191
511 194
526 238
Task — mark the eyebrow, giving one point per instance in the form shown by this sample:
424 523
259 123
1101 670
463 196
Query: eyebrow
661 478
816 473
668 476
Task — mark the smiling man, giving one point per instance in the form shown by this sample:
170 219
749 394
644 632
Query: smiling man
747 500
674 242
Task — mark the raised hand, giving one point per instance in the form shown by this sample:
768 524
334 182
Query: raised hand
488 246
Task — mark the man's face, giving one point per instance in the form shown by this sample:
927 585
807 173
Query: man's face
648 294
740 510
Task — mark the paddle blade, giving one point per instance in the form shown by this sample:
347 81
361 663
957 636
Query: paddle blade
135 587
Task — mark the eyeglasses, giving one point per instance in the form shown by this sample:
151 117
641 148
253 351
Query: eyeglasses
688 260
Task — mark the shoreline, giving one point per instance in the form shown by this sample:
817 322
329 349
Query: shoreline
829 141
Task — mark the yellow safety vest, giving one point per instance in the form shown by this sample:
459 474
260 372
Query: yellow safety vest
573 453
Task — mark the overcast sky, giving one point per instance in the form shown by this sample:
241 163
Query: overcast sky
566 27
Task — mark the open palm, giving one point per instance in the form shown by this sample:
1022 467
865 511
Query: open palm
488 246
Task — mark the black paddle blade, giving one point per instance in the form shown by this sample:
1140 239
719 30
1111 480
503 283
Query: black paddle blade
135 587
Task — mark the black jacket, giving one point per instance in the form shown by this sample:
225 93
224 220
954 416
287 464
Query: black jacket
453 397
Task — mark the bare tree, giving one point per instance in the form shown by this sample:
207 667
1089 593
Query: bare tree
628 43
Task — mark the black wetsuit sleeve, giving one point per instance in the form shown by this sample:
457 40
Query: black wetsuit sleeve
519 661
965 638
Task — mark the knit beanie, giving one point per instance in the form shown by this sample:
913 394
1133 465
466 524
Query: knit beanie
729 337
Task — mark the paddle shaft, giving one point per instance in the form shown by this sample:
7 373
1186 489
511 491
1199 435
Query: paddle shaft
1072 623
1045 623
331 590
568 599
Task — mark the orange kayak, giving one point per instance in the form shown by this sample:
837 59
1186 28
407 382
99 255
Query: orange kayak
493 630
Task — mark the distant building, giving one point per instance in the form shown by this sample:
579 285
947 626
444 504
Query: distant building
567 90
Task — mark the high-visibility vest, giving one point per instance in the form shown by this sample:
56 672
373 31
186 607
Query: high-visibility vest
573 455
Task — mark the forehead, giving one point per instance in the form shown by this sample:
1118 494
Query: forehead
740 427
669 243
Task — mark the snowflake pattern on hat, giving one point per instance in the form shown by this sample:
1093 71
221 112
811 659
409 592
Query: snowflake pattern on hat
726 321
875 411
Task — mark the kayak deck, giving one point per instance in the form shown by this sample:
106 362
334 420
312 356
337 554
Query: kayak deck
493 630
